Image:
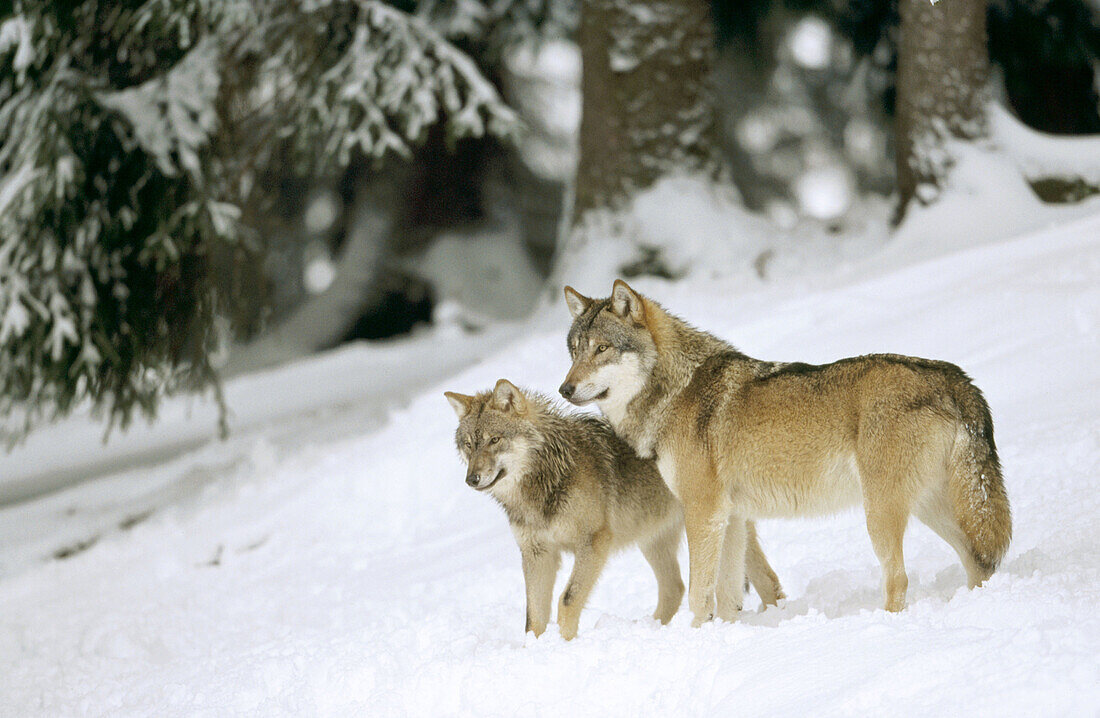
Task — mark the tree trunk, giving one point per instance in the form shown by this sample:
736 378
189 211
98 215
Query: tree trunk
647 105
943 65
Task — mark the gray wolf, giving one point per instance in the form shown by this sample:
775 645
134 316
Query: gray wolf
736 438
567 483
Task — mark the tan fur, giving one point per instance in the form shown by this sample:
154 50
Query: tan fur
736 438
567 483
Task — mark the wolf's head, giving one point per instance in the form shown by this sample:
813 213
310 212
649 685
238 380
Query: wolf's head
494 434
611 346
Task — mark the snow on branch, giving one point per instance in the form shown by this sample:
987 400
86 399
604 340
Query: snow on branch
501 24
396 78
173 117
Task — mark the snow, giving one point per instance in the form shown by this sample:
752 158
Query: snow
1042 156
757 132
824 192
321 211
340 383
14 183
319 274
329 559
478 276
17 31
714 211
542 79
811 43
173 117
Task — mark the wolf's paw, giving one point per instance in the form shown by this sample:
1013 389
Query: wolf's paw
536 627
771 595
702 607
569 617
663 617
665 612
700 619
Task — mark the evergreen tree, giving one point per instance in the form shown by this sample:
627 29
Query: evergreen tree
136 136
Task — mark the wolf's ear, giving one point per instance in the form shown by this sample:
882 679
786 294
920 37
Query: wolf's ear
626 302
459 402
578 303
506 396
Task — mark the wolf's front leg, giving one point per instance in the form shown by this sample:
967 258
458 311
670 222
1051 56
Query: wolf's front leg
706 524
587 565
540 567
731 570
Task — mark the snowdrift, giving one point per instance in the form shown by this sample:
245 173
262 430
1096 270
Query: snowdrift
336 564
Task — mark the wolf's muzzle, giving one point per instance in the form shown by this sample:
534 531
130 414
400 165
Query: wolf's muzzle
566 390
473 480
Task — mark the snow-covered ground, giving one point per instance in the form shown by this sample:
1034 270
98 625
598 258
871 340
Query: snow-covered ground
332 561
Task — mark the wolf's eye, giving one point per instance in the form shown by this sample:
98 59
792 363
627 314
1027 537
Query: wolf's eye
601 349
494 440
466 443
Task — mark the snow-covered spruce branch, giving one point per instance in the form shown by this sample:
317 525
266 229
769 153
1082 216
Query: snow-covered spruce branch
173 117
396 78
500 24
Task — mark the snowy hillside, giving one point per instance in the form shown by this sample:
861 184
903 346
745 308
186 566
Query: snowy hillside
331 561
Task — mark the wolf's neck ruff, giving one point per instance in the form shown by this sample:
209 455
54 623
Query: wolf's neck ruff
680 350
541 485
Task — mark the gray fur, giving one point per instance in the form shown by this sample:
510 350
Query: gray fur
735 437
578 488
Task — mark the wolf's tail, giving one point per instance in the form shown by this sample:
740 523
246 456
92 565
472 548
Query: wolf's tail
977 487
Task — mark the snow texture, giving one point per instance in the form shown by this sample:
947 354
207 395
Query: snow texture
329 559
1042 156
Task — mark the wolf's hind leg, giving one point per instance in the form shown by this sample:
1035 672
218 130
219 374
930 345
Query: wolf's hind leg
660 552
887 529
731 570
760 572
540 568
587 565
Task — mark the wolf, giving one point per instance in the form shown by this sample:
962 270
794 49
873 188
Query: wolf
737 438
567 483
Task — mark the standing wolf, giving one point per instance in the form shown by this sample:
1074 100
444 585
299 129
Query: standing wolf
736 438
568 483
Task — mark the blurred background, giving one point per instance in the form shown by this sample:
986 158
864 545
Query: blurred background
191 190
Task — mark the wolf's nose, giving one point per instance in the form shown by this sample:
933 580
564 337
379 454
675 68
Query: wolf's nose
471 479
566 390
